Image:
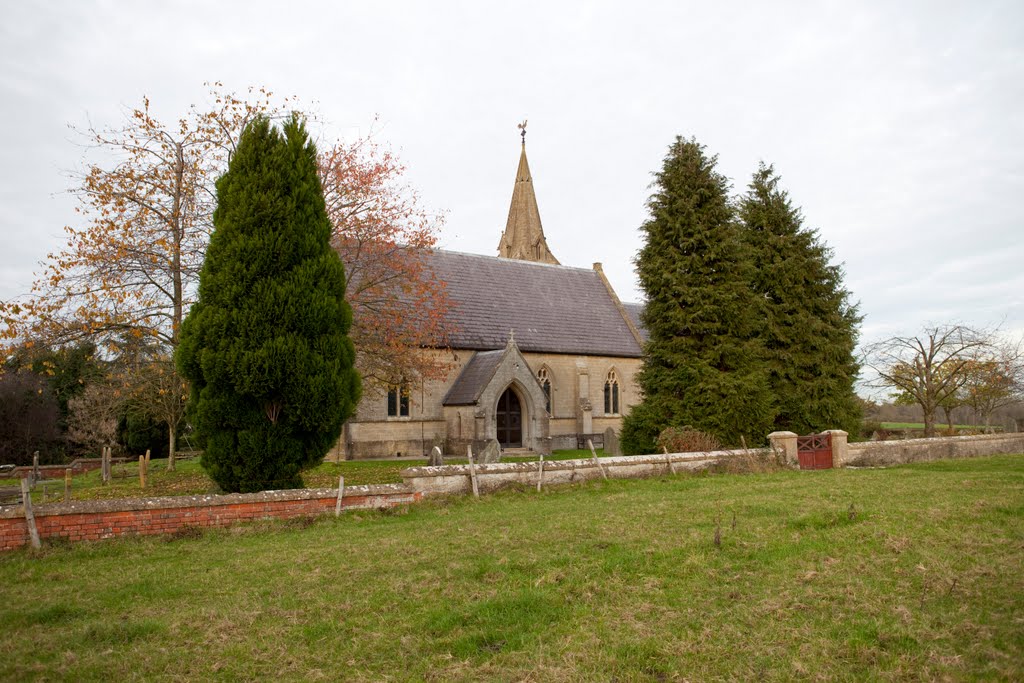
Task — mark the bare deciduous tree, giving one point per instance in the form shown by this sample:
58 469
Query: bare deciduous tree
995 379
155 390
92 416
929 368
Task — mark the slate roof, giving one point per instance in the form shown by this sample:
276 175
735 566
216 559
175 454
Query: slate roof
634 309
551 308
473 378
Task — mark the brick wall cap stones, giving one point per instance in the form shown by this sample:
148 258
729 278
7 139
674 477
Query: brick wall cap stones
205 500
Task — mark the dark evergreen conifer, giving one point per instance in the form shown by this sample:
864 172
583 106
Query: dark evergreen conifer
266 347
703 364
810 327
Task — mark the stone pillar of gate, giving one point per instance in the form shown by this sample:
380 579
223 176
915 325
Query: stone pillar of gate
785 443
840 452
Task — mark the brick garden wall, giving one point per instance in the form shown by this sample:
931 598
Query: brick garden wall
94 520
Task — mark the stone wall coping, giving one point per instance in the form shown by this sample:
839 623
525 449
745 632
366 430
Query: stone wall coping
204 500
555 465
894 443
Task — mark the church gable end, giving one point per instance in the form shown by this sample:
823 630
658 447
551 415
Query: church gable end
473 379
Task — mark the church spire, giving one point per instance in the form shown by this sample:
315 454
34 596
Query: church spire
523 238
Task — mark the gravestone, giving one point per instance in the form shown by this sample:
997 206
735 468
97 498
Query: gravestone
436 458
491 453
611 442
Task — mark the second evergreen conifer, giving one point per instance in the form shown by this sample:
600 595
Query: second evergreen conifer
809 328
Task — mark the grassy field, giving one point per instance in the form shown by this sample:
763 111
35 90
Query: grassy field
189 478
920 425
909 573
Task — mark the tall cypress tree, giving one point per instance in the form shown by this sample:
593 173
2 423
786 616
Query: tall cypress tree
703 364
810 327
266 346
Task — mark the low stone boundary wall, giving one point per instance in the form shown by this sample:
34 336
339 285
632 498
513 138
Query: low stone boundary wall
93 520
455 479
881 453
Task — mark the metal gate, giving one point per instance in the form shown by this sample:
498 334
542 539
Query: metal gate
814 452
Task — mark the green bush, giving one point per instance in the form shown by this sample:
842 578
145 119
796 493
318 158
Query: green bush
687 440
138 433
640 431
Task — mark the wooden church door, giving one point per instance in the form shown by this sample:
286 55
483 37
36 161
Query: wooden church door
510 420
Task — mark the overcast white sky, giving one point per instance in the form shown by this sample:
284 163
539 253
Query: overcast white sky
897 126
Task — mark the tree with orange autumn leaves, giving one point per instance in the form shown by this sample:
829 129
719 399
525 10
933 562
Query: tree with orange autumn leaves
129 271
383 238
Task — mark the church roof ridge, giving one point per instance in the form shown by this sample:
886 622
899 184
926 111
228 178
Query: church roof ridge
518 261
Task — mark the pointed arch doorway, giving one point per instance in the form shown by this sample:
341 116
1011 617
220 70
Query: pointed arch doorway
509 420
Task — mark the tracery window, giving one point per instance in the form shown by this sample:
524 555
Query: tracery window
398 400
545 382
611 394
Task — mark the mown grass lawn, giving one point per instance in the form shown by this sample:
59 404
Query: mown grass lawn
909 573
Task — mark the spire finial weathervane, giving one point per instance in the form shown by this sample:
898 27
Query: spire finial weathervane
522 130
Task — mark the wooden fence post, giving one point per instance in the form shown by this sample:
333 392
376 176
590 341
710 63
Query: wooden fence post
668 459
472 473
142 471
540 473
67 485
596 461
147 459
30 518
341 493
35 467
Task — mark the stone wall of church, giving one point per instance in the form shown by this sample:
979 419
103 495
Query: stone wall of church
577 398
578 382
372 433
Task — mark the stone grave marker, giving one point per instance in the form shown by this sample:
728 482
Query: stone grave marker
491 453
611 442
436 458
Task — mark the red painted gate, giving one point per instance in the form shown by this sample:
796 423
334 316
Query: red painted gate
814 452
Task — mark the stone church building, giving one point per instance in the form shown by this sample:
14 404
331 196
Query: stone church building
542 355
